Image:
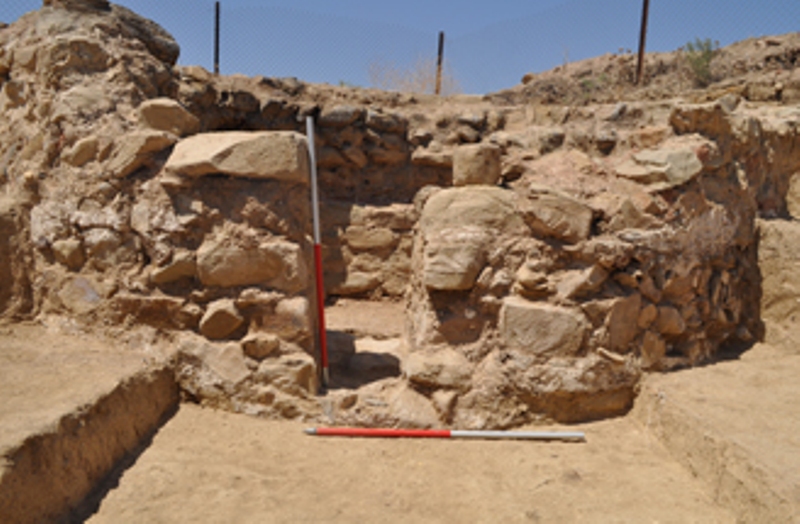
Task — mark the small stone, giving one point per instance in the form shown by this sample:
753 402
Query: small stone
647 316
670 321
793 197
653 350
621 322
83 152
69 253
133 151
183 265
610 355
340 116
390 123
366 238
260 345
294 373
444 368
356 283
582 282
557 216
220 320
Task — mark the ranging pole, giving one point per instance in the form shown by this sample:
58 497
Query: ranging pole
216 38
570 436
323 339
642 39
439 63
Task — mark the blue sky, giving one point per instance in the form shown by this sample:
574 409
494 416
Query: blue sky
489 44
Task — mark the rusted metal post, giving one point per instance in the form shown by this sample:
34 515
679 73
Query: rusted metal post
642 39
216 38
439 64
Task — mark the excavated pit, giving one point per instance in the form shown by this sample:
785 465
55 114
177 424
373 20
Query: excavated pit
493 261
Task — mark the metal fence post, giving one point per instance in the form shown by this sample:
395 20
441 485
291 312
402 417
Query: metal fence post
216 38
642 39
439 64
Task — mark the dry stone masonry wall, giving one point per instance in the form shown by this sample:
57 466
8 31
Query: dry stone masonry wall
547 255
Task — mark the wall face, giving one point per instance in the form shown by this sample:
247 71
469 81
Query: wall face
547 254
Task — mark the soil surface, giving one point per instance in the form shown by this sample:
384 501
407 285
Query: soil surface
48 371
730 432
212 466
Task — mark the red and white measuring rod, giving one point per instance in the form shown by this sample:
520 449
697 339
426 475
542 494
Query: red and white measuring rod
570 436
323 339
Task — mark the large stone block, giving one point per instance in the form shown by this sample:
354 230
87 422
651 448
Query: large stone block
485 207
165 114
444 368
134 151
453 258
542 329
476 164
557 216
266 155
227 262
674 163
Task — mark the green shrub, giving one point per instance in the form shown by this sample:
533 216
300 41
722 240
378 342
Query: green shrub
698 56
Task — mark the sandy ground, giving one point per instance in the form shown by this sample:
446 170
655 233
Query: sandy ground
46 373
209 466
702 445
366 319
736 426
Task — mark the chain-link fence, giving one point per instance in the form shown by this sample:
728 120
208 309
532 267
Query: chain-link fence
275 41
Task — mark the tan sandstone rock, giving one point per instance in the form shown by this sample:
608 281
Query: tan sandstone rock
674 163
542 329
294 373
260 345
69 253
484 207
653 350
622 322
793 197
182 265
557 216
670 321
440 368
135 150
264 155
229 261
220 319
84 151
477 164
165 114
453 258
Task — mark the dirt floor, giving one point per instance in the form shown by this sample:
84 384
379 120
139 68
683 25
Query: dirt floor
713 444
50 370
209 466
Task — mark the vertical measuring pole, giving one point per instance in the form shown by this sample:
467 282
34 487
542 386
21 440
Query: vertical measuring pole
642 40
439 64
323 339
216 38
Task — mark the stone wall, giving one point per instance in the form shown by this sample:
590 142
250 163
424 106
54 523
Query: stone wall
372 160
530 302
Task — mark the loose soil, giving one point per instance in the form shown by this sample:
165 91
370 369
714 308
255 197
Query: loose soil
730 451
211 466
